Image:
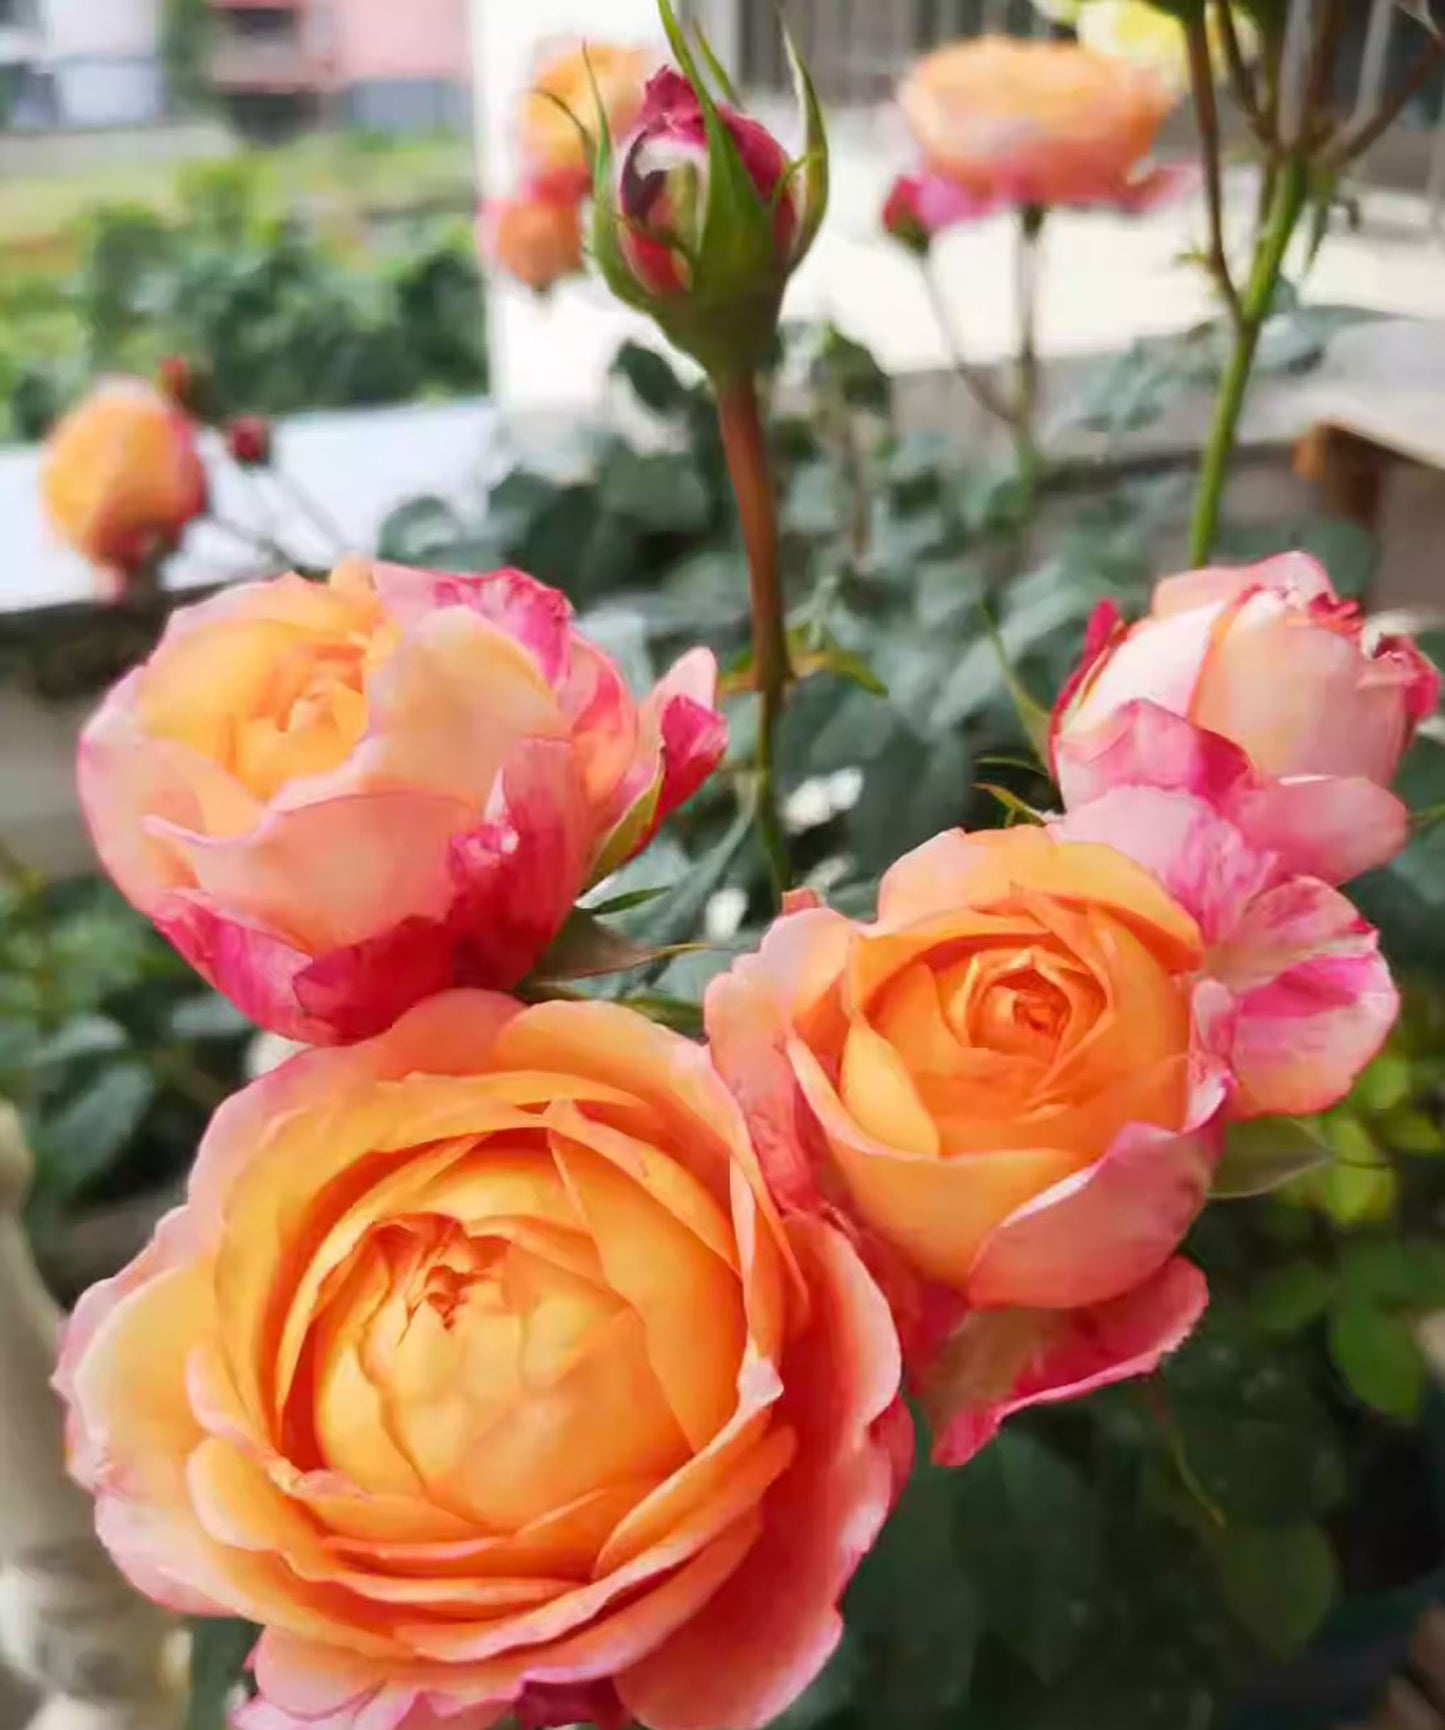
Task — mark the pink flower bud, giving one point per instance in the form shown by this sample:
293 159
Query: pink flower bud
248 440
663 184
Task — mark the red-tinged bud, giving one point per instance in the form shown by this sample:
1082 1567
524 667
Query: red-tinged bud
700 216
248 440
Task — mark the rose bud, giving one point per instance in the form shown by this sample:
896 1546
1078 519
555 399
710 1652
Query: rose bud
248 440
700 217
122 476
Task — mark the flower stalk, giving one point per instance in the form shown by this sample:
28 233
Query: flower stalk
1290 194
749 468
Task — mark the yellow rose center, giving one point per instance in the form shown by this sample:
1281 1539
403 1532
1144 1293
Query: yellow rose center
1014 1039
272 696
505 1324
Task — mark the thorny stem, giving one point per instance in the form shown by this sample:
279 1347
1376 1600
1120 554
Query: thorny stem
1206 115
745 447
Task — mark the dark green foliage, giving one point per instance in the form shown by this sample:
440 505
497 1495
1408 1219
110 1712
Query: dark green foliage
279 320
111 1048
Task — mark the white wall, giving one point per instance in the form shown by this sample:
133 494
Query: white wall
82 28
553 352
105 57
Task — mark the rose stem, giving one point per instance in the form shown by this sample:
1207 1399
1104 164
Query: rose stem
751 473
1289 202
1026 281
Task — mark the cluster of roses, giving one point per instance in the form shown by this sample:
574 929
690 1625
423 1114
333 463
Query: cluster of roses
527 1356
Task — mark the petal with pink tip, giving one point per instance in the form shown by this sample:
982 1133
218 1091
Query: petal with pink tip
537 616
1314 994
1094 1235
1200 858
1324 826
1144 744
1002 1361
517 877
750 1012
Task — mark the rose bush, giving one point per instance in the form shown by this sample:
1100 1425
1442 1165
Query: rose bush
478 1367
336 800
122 476
1269 657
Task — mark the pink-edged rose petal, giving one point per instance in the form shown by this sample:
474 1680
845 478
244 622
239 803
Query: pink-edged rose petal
1002 1361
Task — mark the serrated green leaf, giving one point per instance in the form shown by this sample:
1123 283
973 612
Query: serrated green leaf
1265 1154
1385 1084
208 1015
651 379
1359 1185
83 1036
585 948
1408 1130
81 1142
1376 1353
1279 1581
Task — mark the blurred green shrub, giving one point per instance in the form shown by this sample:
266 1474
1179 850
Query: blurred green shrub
281 319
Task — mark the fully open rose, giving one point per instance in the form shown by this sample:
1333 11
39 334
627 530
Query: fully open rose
1011 1086
479 1369
336 800
1002 122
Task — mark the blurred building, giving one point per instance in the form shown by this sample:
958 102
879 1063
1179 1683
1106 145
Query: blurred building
378 64
80 62
273 66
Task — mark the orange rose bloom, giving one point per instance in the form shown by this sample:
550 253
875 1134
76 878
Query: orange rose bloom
122 475
536 240
1034 123
478 1368
563 101
1000 1082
